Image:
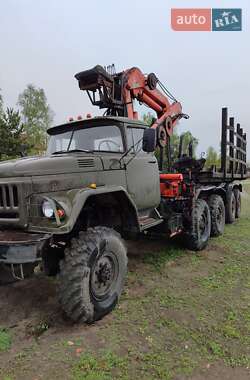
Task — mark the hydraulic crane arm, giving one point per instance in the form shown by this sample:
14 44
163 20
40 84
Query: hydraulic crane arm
116 93
143 88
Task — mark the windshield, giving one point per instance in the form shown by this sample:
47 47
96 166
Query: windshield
105 138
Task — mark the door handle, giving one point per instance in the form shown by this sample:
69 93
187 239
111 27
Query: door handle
152 162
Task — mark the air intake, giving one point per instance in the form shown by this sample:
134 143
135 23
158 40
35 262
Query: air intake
8 197
86 163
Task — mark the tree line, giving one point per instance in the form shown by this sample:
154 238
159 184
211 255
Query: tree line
23 130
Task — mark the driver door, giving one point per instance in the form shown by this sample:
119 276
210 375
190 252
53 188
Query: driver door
142 172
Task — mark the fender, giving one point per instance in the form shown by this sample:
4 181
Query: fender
73 202
223 189
211 189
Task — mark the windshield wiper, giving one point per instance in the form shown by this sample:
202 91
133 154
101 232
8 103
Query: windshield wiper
80 150
135 145
73 151
60 152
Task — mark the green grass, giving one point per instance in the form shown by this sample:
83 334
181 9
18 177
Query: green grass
159 259
227 277
5 340
180 311
93 367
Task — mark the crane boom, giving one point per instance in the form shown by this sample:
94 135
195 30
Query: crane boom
116 93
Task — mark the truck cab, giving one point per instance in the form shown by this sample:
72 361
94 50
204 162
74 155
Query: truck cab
117 143
94 169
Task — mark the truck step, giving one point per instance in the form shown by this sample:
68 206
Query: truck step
147 222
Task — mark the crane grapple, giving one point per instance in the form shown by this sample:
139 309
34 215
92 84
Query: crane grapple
93 79
104 90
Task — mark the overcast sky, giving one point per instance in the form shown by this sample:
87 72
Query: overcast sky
45 42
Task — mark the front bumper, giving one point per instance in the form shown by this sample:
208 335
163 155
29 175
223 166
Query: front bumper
17 247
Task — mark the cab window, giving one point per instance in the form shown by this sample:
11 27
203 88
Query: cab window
134 139
101 138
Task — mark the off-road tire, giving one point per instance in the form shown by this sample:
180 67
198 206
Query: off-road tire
198 237
230 207
237 195
88 255
217 211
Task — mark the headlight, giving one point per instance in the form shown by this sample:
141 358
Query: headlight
47 209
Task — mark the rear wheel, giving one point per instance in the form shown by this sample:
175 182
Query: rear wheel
199 235
237 195
230 207
217 211
92 274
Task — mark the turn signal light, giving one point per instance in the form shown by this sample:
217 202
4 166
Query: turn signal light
61 213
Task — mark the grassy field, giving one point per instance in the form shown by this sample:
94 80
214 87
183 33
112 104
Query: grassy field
183 315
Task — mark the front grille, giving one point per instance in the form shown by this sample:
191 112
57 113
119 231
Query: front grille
86 163
9 201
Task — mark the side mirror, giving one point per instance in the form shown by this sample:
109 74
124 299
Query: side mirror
149 140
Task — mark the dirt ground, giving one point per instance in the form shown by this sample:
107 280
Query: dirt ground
182 316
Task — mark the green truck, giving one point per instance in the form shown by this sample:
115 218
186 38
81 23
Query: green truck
98 184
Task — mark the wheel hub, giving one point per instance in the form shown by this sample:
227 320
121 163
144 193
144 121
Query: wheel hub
104 274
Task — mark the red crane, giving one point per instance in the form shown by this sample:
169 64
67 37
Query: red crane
116 92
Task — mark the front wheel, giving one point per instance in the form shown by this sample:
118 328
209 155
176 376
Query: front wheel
92 274
199 234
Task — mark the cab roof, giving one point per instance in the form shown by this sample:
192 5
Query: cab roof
78 124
